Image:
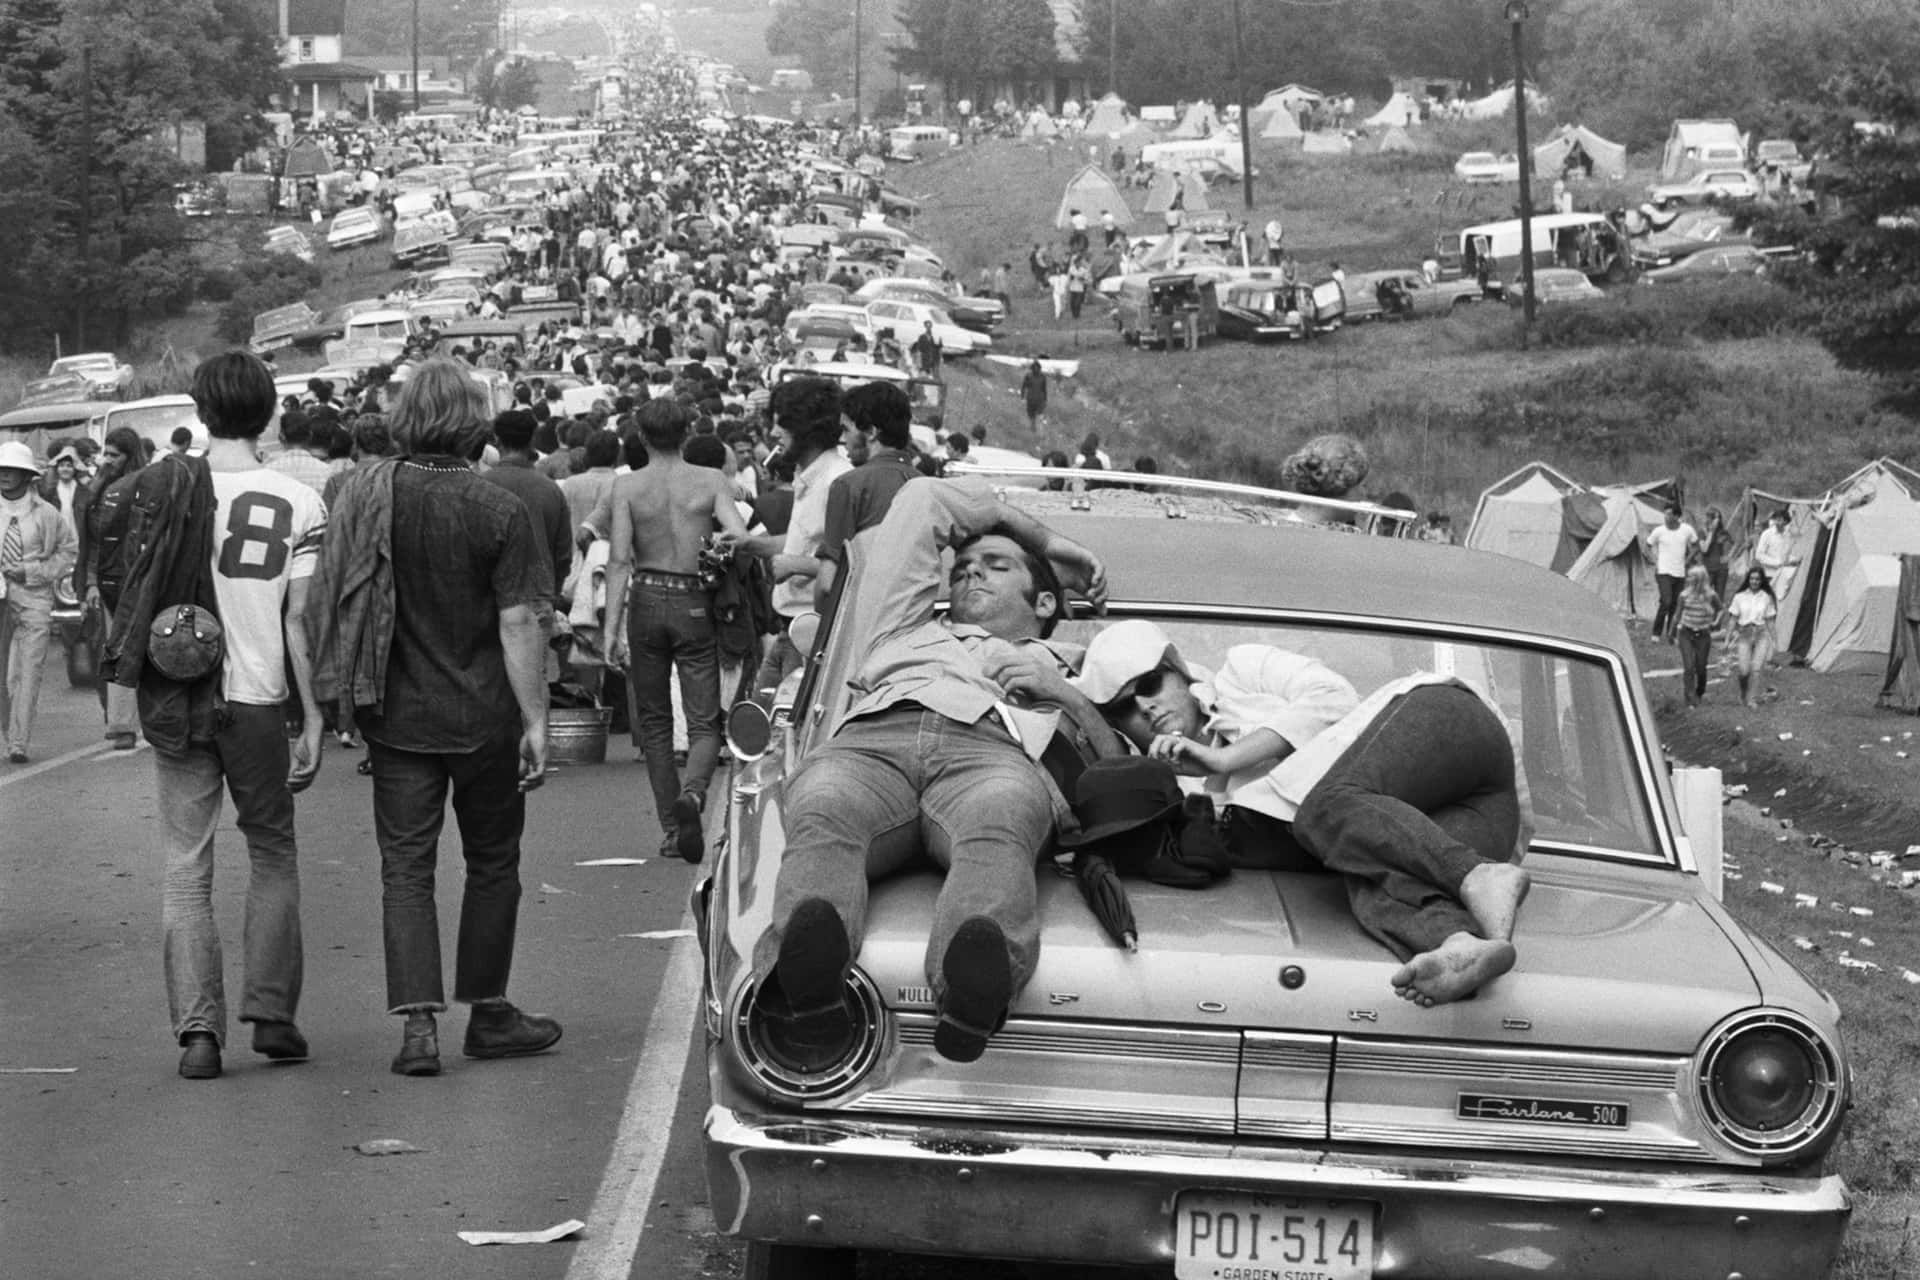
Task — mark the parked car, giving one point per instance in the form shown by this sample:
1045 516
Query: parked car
1554 286
982 315
1650 1092
1715 262
289 240
1406 295
1484 167
1262 310
908 321
1708 184
155 419
1781 155
1160 310
103 373
355 226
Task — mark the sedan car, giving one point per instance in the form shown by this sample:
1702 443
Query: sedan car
103 373
1650 1091
1719 262
355 226
1555 285
1405 295
1708 184
1484 167
908 321
1266 310
980 314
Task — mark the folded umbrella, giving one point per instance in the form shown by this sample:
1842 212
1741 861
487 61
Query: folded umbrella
1107 897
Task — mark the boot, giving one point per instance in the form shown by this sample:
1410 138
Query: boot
498 1030
419 1048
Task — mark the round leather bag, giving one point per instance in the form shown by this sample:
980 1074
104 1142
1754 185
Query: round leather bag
185 642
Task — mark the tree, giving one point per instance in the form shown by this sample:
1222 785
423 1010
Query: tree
516 86
1019 44
820 34
1860 247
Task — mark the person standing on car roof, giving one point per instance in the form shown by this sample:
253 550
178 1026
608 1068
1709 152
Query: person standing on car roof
37 547
936 759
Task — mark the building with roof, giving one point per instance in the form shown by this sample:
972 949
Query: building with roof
312 36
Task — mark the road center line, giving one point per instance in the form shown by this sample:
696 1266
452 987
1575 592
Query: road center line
619 1212
33 771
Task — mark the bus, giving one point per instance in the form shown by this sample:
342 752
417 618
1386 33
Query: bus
912 141
558 138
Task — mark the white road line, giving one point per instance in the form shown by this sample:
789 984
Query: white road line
619 1212
17 774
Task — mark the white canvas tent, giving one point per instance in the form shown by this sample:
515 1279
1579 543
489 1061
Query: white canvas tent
1291 97
1595 536
1569 141
1109 116
1201 121
1519 515
1395 139
1092 192
1182 249
1838 611
1400 111
1038 125
1500 103
1281 125
1615 564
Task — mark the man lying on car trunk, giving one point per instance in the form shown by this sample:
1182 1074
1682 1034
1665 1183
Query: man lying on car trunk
1414 795
937 759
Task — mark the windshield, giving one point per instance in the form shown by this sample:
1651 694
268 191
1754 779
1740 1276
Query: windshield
156 422
1581 769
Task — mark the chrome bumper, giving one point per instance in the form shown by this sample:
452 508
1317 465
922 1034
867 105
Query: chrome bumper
810 1181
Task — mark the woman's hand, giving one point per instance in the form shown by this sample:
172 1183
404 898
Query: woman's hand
1185 754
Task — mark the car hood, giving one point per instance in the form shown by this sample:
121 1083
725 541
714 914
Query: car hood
1613 960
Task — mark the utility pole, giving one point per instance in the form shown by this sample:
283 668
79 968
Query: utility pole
1516 15
86 197
416 57
1240 93
1113 46
856 64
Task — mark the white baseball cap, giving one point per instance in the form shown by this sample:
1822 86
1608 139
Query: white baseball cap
1122 654
16 456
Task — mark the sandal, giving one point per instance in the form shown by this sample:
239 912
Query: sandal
364 768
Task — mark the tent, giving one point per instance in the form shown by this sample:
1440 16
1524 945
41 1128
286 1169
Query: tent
1520 515
1901 690
1180 250
306 159
1401 110
1500 103
1595 536
1290 98
1093 193
1038 125
1569 142
1395 139
1281 124
1136 135
1615 564
1200 121
1692 144
1326 142
1160 192
1109 116
1837 613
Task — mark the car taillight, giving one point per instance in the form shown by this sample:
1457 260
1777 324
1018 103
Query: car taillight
1772 1086
797 1071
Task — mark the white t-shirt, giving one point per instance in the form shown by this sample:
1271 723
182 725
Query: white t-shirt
806 527
1670 548
266 533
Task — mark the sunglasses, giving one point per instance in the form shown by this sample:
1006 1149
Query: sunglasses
1146 686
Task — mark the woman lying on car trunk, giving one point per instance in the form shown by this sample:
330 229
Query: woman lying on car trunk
1414 794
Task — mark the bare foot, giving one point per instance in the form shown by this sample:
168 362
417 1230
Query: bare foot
1452 971
1493 892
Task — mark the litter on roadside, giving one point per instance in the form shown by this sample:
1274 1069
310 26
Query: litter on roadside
661 933
386 1147
559 1231
612 862
1769 886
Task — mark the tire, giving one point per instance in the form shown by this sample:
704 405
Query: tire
767 1261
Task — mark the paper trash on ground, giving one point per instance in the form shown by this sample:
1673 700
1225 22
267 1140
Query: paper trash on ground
661 933
612 862
558 1231
386 1147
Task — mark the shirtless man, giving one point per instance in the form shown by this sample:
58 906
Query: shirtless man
661 517
1413 795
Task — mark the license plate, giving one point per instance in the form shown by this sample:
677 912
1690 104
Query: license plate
1241 1237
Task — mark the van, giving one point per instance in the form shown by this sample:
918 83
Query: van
1163 310
916 141
1586 241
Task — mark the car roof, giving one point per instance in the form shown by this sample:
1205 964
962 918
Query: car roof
63 411
1151 560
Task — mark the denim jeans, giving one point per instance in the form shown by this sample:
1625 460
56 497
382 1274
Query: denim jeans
249 755
669 627
1420 799
905 785
26 623
1696 646
1668 615
409 808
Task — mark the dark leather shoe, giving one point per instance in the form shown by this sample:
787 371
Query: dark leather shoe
689 833
419 1048
502 1031
979 978
280 1041
199 1056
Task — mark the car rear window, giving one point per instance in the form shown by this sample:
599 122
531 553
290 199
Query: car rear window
1565 710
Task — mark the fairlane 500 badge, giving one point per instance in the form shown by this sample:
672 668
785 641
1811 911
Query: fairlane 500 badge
1595 1115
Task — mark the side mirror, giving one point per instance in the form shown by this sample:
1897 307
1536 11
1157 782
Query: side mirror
749 730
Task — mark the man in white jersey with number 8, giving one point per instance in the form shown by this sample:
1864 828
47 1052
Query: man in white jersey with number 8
266 541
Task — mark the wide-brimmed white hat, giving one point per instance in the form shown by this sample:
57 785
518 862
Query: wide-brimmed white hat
16 456
1122 654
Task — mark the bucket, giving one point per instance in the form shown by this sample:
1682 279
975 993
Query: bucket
578 735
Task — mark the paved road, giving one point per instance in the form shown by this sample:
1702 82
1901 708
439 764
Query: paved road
119 1168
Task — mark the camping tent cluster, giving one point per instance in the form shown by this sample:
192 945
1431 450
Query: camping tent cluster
1571 144
1594 535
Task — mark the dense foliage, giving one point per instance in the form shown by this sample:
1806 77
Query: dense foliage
456 29
88 92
